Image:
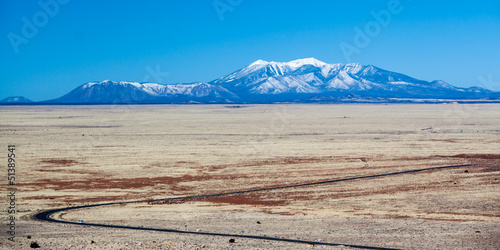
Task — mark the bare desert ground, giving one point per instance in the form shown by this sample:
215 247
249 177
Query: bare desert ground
76 155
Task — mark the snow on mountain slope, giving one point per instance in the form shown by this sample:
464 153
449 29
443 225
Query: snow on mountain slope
299 80
282 84
299 76
313 76
132 92
16 100
306 61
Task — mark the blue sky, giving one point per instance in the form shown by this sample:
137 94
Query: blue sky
76 41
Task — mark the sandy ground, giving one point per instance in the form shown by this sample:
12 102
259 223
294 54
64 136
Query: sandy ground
75 155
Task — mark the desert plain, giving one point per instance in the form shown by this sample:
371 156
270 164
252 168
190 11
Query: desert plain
77 155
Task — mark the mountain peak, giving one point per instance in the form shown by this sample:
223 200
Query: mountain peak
306 61
90 84
294 64
16 99
259 62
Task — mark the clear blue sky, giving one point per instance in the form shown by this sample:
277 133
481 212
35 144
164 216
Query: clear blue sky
83 41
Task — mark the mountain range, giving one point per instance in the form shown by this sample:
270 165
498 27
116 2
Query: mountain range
301 81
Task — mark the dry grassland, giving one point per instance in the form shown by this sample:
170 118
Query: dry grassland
75 155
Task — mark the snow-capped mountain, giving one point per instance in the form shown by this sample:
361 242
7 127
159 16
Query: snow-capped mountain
16 100
311 76
132 92
303 80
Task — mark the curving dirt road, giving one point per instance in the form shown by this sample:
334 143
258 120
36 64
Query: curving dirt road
46 215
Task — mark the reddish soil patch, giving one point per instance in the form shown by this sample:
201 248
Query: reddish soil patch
67 198
59 162
71 171
175 183
478 156
185 162
63 197
472 214
456 220
49 170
